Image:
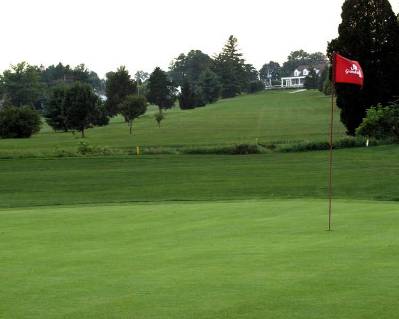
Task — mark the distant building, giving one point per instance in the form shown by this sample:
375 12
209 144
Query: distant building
297 79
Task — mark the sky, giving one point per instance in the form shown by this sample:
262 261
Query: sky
141 35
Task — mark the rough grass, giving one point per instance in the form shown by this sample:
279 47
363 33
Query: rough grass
360 173
245 259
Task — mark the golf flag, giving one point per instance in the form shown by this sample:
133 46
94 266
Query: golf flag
347 71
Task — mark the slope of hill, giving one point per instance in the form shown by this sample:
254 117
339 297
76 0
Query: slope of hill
275 116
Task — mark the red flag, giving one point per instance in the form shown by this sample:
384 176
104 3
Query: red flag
347 71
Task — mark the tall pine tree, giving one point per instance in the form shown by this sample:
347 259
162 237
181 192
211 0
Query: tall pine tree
230 67
369 33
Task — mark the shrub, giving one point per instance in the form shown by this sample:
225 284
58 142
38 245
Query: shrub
256 86
21 122
380 123
239 149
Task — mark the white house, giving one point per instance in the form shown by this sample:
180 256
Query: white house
297 79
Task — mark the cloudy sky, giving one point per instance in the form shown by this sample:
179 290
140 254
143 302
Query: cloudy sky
143 34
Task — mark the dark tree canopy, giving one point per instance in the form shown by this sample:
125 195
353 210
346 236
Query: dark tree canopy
161 91
312 80
118 85
369 33
189 67
210 86
190 96
56 110
57 74
82 105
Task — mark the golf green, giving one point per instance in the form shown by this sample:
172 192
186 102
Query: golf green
236 259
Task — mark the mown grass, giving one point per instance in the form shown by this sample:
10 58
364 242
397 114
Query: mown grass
366 173
244 259
274 116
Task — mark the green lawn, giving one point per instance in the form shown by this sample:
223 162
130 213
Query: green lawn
244 259
274 116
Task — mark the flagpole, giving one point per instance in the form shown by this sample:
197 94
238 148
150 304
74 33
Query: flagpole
330 178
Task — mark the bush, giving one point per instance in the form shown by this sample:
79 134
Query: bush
239 149
21 122
381 123
256 86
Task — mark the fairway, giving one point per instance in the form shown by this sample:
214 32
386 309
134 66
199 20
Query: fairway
271 117
243 259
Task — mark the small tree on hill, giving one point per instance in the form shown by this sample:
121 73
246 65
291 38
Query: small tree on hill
19 122
159 118
82 105
161 91
132 107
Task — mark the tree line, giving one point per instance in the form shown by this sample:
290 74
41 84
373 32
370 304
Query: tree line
72 98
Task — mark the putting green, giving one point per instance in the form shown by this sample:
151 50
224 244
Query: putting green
243 259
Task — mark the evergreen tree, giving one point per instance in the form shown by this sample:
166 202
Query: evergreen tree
210 86
118 85
187 98
230 67
161 91
369 33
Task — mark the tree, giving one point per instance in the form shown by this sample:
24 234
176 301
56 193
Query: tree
189 67
132 107
270 72
140 78
56 74
301 57
311 80
118 85
161 91
210 86
56 110
21 85
19 122
369 33
229 66
191 96
82 104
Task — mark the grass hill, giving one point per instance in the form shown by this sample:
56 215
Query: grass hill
271 117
